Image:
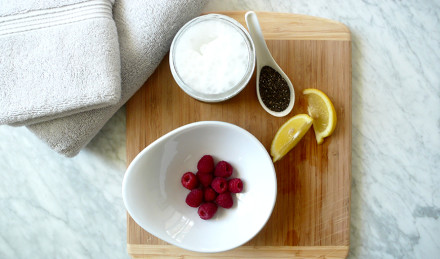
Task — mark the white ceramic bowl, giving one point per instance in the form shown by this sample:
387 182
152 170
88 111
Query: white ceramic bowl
154 197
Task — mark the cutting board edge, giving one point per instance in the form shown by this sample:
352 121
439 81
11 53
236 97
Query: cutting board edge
169 251
306 27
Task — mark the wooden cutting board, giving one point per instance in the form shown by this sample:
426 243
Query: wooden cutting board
311 217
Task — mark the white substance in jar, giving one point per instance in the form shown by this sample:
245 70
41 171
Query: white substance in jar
211 57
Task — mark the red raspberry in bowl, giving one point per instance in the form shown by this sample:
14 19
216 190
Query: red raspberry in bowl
194 198
223 169
204 178
210 194
189 180
235 185
207 210
224 200
206 164
219 184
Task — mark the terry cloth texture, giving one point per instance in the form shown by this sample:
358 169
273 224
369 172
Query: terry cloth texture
57 58
145 30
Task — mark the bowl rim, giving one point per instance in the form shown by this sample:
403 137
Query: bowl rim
183 128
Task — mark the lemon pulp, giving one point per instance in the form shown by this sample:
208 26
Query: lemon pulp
322 111
289 134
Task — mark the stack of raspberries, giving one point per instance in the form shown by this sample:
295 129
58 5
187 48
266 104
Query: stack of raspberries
211 186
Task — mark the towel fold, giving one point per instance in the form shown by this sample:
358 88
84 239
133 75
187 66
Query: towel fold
57 58
145 30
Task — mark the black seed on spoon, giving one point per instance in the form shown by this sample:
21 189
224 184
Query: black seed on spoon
274 90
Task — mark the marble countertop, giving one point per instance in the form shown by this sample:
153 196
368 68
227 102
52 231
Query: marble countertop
56 207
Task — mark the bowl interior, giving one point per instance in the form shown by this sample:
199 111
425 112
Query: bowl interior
155 198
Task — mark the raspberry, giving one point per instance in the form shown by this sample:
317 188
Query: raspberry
235 185
206 164
223 169
210 194
189 181
204 178
207 210
219 184
224 200
194 198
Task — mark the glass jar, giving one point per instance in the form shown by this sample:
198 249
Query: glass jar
212 58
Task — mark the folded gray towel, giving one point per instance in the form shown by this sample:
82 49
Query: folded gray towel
57 58
145 30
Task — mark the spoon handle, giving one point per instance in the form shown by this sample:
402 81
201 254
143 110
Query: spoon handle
263 53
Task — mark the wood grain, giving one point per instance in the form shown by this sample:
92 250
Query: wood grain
312 212
275 252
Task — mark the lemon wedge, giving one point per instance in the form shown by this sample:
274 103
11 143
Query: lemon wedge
289 134
321 109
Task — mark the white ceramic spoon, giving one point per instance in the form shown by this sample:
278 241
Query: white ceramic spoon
264 58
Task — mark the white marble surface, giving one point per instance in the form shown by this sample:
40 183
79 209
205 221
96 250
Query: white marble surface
56 207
